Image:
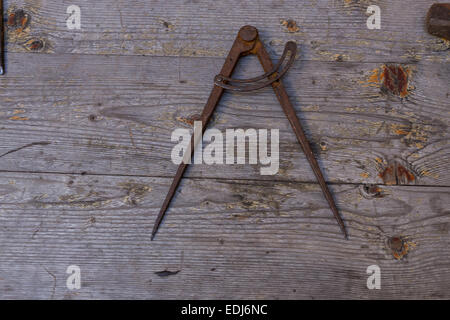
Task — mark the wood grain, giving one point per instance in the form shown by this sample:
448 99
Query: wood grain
250 239
329 29
118 118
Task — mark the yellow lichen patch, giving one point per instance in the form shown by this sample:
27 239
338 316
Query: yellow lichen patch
375 78
428 173
18 111
418 135
311 108
401 132
19 118
413 134
364 175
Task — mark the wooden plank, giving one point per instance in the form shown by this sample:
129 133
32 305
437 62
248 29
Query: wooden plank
250 239
115 115
328 30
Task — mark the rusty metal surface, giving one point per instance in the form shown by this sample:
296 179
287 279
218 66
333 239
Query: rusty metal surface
248 42
271 76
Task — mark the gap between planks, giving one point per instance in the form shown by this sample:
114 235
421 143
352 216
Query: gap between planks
222 179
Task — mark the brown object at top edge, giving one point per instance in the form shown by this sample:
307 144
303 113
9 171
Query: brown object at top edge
438 20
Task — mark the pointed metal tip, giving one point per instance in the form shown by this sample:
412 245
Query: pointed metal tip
154 231
345 233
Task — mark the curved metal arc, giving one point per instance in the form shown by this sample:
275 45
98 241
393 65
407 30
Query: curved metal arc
290 46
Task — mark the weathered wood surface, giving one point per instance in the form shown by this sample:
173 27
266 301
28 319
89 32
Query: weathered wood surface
118 119
328 28
255 240
85 124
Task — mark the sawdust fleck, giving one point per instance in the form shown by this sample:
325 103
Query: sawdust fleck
374 78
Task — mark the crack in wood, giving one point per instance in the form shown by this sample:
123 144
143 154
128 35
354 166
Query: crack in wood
40 143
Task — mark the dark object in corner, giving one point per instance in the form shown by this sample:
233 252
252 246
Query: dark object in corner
438 20
2 40
166 273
